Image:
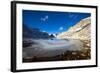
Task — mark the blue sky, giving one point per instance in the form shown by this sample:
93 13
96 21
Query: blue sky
52 22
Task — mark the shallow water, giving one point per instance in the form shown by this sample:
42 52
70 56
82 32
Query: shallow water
51 47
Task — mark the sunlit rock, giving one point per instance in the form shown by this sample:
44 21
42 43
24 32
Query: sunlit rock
82 31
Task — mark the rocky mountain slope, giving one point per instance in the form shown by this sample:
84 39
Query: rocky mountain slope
35 33
82 31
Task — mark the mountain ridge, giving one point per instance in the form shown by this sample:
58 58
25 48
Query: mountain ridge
79 31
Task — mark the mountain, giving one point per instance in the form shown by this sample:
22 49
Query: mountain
82 31
35 33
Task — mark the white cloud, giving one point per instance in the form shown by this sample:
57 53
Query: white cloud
43 31
45 18
61 28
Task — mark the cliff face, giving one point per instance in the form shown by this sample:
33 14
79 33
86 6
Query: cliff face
82 31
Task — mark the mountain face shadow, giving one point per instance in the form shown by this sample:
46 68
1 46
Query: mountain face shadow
35 33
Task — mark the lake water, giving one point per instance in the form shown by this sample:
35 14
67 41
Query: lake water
51 47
